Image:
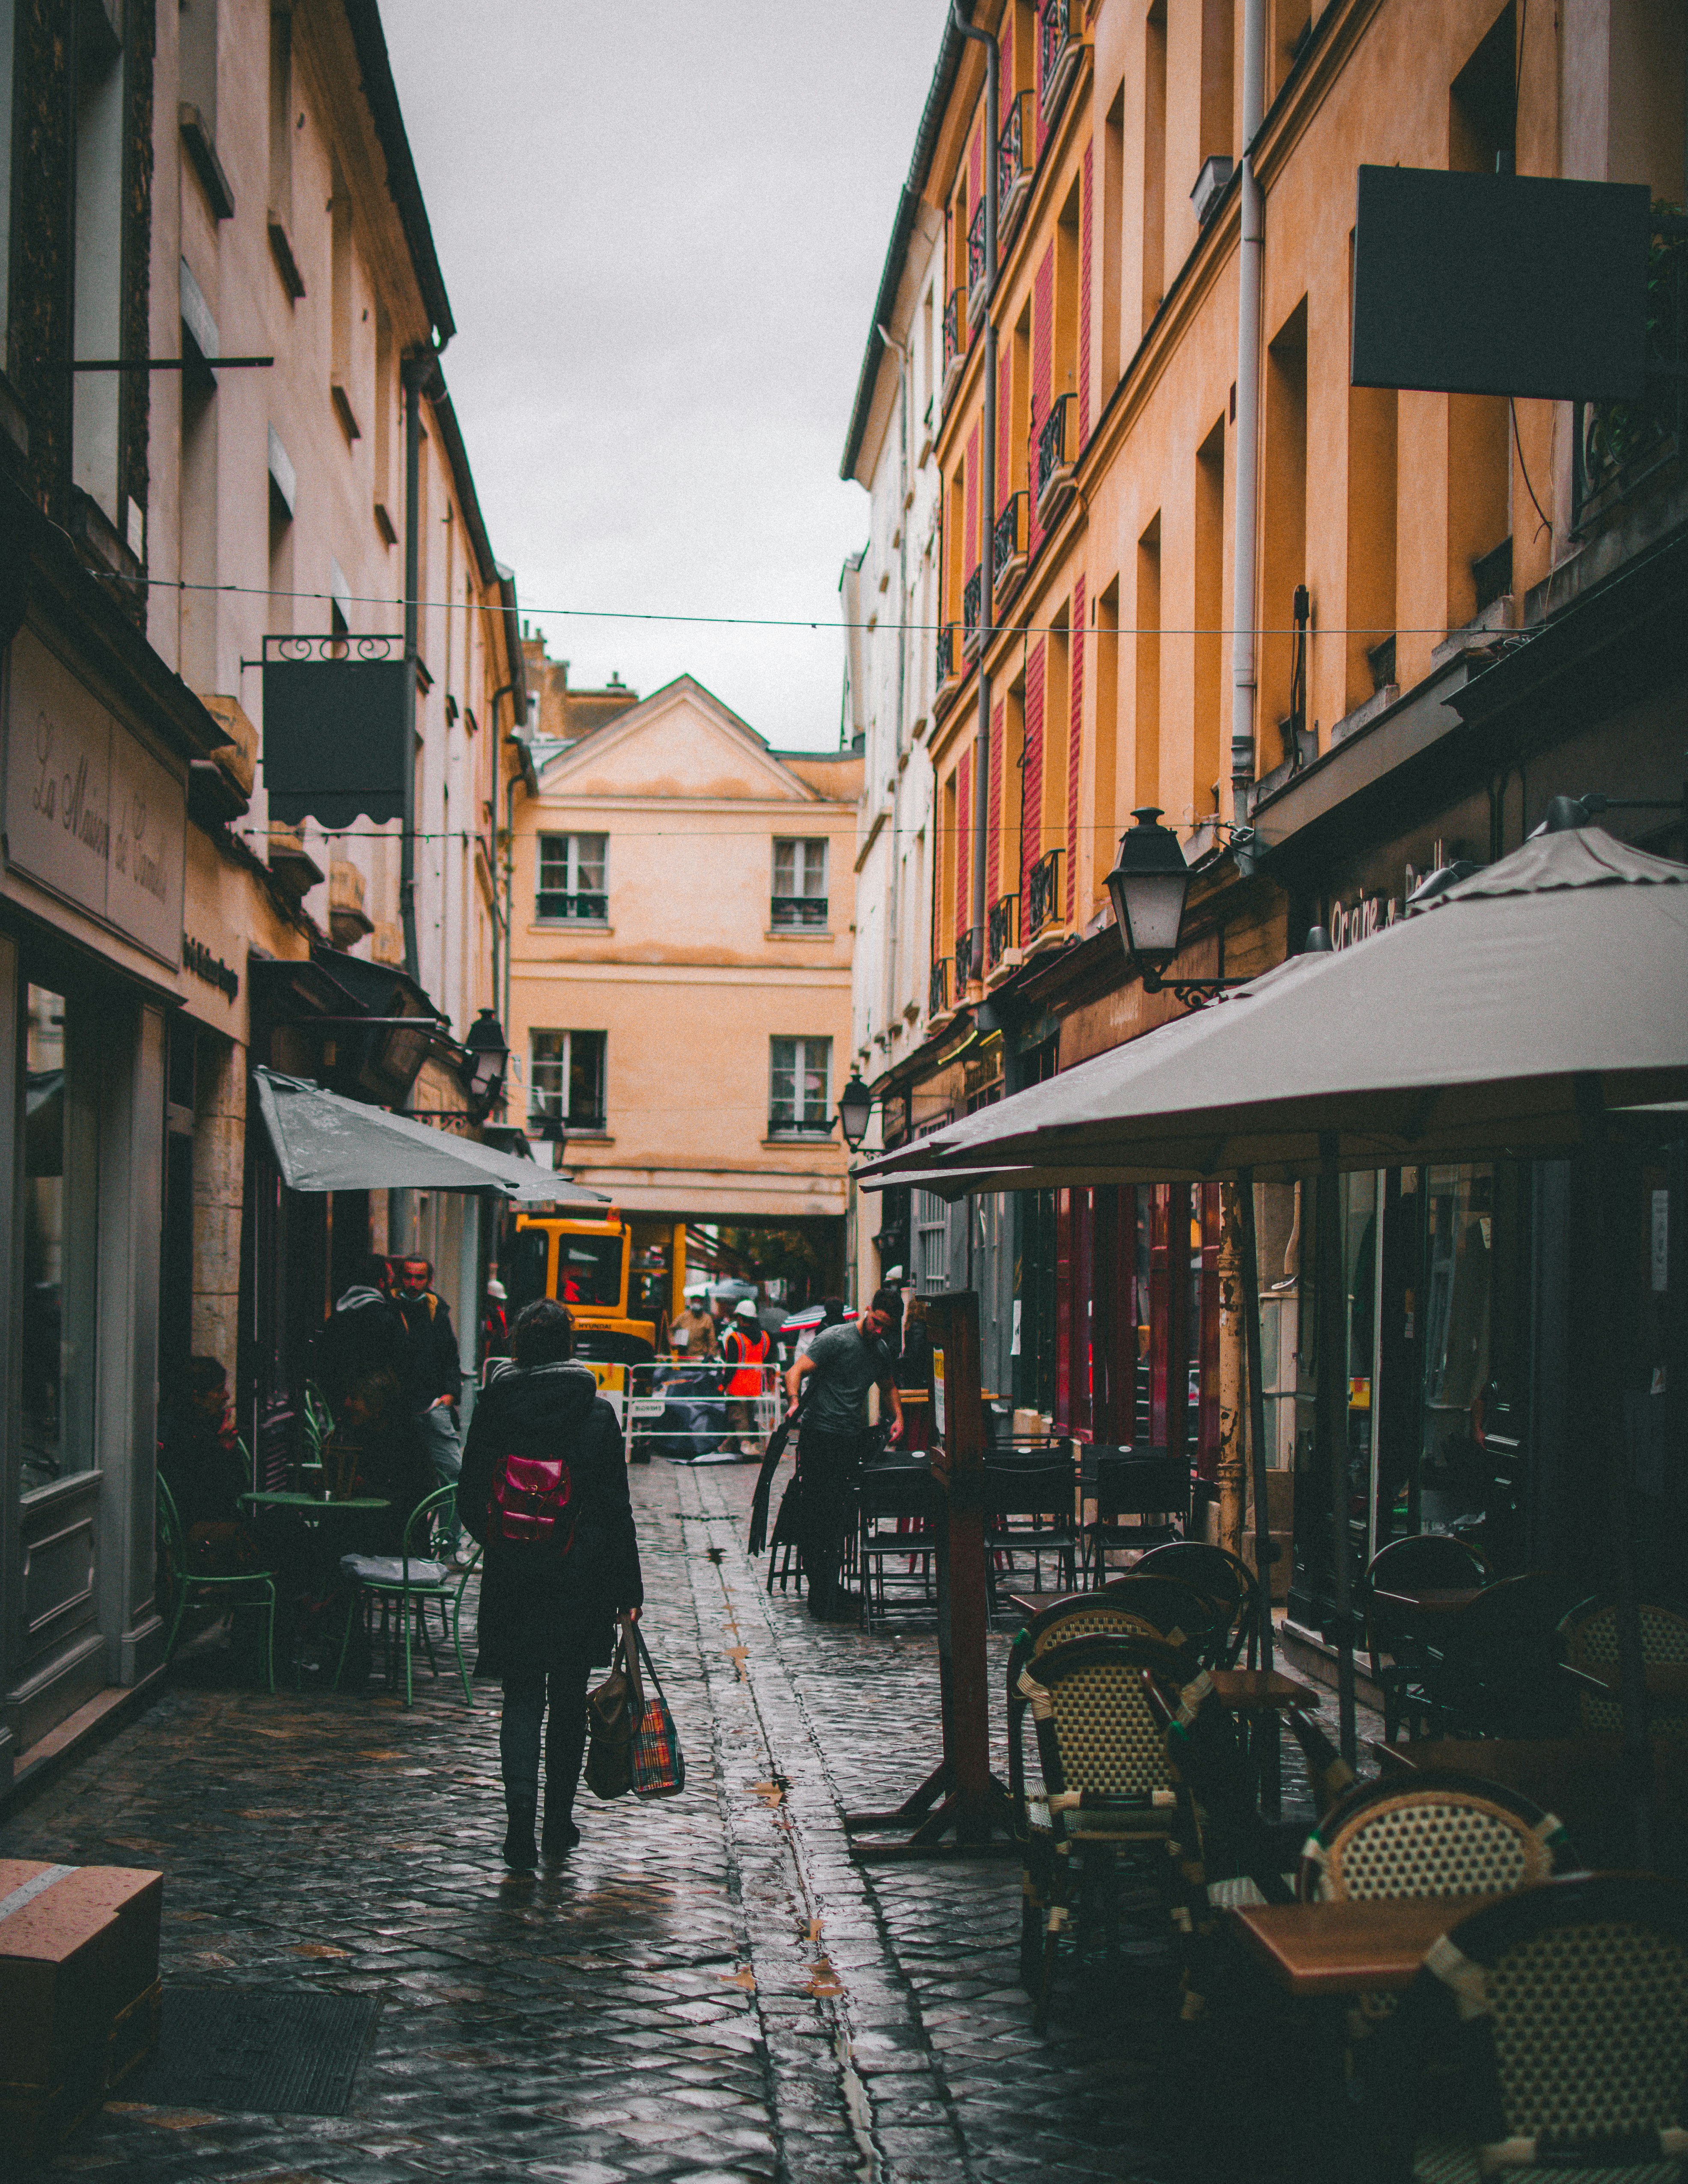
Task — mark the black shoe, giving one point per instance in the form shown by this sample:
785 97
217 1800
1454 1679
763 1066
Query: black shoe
519 1853
559 1837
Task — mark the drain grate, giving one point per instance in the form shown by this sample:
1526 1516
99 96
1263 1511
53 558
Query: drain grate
257 2052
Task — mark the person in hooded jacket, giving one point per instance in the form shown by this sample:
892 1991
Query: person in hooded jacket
555 1579
364 1334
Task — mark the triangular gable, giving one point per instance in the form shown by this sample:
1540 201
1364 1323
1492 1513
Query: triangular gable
680 742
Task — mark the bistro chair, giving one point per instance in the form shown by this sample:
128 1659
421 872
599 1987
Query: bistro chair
1149 1487
1182 1614
1556 2024
175 1550
785 1555
1494 1669
1107 1788
409 1580
1436 1834
1428 1561
1029 1508
896 1522
1589 1635
1219 1576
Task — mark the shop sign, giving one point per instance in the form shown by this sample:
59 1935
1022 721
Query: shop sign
89 812
1371 914
199 959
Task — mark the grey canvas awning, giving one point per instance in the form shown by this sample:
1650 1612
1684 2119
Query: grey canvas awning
323 1142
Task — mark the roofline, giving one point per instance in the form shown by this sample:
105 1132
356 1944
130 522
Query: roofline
518 656
363 18
463 478
902 228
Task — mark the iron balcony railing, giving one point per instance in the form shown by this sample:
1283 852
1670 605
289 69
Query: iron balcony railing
1043 894
1009 559
949 670
1016 156
790 1124
938 987
972 612
999 930
976 265
577 909
1058 53
798 909
964 962
955 340
1619 445
1056 454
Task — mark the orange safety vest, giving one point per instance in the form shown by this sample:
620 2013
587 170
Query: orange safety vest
748 1354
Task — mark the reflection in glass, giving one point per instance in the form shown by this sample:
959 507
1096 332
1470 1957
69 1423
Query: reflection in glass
1459 1248
44 1234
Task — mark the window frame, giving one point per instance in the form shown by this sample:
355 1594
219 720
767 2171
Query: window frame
573 859
802 907
801 1122
563 1063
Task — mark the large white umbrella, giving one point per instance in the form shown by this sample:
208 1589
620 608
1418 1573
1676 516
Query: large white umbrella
1539 1006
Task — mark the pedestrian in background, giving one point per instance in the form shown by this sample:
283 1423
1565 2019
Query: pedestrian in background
831 1315
746 1347
495 1322
834 1442
693 1332
431 1374
364 1333
545 1492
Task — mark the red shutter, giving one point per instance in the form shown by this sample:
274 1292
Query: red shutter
1074 740
1031 822
993 861
964 845
1042 335
1084 298
970 543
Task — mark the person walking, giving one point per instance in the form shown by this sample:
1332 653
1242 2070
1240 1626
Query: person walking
431 1373
691 1332
495 1322
834 1440
746 1347
364 1333
544 1490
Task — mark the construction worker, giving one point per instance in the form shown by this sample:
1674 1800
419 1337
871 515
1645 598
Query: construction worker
746 1346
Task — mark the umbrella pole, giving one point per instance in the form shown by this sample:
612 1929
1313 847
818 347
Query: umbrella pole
1262 1509
1333 1404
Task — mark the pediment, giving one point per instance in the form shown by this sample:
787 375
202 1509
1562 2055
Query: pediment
681 743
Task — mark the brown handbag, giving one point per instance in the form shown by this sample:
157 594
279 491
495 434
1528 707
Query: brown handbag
612 1711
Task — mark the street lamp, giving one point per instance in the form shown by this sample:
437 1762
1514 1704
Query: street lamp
490 1050
1149 886
855 1105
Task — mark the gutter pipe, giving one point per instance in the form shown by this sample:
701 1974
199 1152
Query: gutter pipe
987 502
1245 574
889 992
417 374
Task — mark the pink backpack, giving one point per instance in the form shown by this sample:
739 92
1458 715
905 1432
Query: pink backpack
534 1498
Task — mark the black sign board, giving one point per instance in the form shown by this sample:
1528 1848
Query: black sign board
338 720
1501 284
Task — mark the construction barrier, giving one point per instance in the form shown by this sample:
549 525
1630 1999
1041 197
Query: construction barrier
681 1409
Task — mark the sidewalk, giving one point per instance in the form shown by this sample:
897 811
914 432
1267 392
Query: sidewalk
709 1988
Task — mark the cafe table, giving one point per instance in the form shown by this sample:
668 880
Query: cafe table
1430 1599
314 1504
1374 1945
309 1570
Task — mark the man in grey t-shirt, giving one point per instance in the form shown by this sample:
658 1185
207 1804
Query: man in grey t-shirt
843 1363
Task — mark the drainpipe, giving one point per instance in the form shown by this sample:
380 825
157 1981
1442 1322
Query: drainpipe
1244 614
888 987
499 926
417 374
987 502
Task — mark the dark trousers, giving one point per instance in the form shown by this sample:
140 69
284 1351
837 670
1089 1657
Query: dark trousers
525 1700
828 1465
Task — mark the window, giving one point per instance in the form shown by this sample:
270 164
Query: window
800 883
798 1081
571 878
566 1079
932 1243
61 1137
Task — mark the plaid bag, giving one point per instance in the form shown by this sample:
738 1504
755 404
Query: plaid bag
658 1764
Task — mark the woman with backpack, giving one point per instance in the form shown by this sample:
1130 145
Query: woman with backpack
544 1490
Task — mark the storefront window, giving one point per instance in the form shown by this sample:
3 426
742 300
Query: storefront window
59 1146
1459 1245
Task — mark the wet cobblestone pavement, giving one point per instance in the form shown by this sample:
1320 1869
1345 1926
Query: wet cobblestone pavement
709 1988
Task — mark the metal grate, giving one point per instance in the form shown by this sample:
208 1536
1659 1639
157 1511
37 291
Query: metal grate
257 2052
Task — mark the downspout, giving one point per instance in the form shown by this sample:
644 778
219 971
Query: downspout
417 372
986 506
499 927
1245 607
888 991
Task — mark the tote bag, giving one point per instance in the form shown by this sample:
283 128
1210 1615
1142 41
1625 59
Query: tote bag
659 1765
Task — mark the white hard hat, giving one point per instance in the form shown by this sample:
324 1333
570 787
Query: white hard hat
496 1288
745 1308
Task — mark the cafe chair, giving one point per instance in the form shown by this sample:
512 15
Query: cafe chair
1495 1666
1439 1834
1030 1509
785 1555
1589 1638
1428 1561
408 1581
1545 2037
1150 1487
1219 1576
1106 1789
185 1584
1180 1612
896 1523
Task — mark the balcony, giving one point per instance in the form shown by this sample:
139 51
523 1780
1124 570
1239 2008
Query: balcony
1008 567
950 666
965 970
1059 46
1043 895
954 343
1057 457
978 286
937 989
1619 446
999 930
972 615
797 913
1016 153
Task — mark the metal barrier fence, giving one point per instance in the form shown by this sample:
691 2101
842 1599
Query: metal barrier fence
684 1409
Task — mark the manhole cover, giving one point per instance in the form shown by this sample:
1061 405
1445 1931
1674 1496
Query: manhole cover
255 2052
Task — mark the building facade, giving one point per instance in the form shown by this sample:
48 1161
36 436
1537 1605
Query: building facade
682 919
1376 632
194 876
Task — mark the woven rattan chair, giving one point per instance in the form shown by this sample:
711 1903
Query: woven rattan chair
1562 2013
1589 1635
1219 1576
1494 1670
1107 1786
1435 1834
1183 1614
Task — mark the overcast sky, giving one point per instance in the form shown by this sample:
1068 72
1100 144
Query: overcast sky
662 230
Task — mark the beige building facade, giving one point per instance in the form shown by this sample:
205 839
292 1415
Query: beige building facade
682 922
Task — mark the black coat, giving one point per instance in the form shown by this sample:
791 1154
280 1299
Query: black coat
430 1366
540 1608
364 1334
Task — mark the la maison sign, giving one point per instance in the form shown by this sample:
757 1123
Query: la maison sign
90 813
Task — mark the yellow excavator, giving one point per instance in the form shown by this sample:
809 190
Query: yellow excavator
622 1280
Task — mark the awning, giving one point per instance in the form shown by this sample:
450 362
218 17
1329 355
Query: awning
323 1142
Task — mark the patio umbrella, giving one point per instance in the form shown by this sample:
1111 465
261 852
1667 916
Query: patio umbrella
1539 1007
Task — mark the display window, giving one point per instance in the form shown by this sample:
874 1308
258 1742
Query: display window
61 1141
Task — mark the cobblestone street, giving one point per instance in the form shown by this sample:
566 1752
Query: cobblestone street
707 1988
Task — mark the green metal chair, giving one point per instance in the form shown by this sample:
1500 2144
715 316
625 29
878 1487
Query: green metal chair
173 1544
413 1577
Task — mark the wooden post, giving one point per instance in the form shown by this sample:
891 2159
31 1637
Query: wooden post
1230 1469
